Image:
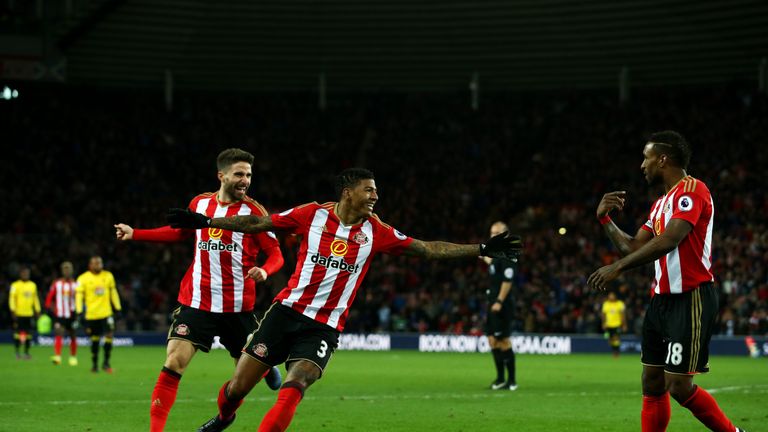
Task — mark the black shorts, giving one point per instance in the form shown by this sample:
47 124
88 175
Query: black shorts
98 327
285 335
677 329
65 323
499 324
200 327
24 324
613 331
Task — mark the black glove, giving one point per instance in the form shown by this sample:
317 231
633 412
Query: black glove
504 245
186 218
117 314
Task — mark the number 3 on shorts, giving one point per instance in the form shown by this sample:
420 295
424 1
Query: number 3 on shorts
674 353
323 349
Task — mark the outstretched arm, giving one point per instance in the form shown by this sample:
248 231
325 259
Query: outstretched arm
246 224
186 218
504 245
441 249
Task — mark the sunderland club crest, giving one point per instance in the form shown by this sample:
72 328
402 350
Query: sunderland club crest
260 350
360 238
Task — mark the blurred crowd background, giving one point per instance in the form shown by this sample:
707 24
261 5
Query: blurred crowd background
77 160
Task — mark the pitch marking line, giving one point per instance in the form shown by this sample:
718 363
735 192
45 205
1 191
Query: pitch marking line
756 388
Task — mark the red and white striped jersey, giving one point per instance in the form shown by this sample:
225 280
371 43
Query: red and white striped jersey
689 264
217 280
332 259
61 298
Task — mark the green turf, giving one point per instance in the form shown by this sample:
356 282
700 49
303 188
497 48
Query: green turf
393 391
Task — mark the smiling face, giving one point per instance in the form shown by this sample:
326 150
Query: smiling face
362 197
235 181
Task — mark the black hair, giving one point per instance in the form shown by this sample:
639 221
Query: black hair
673 145
231 156
350 177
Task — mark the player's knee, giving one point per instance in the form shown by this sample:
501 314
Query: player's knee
653 381
178 361
680 388
304 373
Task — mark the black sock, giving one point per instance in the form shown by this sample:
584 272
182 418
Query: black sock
27 343
107 350
16 342
499 362
95 352
509 362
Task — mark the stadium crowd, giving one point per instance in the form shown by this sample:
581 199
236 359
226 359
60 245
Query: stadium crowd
78 160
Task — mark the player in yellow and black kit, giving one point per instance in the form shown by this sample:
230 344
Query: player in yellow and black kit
614 321
96 289
25 308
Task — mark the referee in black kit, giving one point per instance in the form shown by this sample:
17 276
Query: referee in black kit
501 308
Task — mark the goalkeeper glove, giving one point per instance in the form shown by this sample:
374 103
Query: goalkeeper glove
186 218
504 245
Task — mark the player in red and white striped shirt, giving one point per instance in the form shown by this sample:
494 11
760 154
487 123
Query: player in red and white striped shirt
60 302
218 291
302 327
684 306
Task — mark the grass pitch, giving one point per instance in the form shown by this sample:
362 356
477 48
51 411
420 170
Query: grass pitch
365 391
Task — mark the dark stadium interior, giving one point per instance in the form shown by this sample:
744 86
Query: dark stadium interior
97 143
84 159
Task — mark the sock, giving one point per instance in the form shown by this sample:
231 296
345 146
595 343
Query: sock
57 342
499 362
95 351
163 397
280 415
656 413
509 361
16 343
107 350
227 406
27 343
73 346
705 408
615 345
23 339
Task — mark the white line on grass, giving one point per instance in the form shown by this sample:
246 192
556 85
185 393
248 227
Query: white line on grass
755 388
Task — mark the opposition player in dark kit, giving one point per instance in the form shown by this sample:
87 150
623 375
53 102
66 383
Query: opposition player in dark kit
677 238
302 327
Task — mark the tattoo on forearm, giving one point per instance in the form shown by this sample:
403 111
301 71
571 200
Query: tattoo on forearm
248 224
442 250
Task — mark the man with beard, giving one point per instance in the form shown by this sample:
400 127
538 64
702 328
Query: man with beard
302 327
218 292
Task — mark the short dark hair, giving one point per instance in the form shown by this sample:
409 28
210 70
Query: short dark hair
350 177
673 145
231 156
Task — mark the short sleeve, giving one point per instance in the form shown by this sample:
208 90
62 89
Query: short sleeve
295 220
391 241
688 207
